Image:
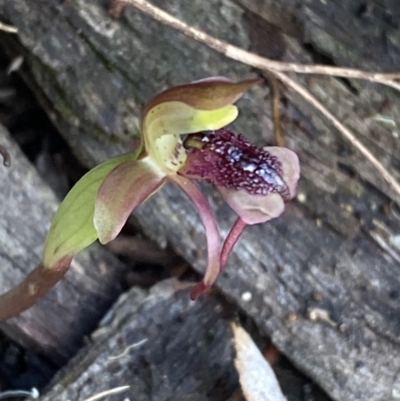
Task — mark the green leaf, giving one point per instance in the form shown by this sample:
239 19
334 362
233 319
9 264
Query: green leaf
72 228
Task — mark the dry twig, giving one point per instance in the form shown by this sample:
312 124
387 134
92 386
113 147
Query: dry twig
6 156
255 60
275 99
106 393
127 349
277 68
8 28
33 394
390 179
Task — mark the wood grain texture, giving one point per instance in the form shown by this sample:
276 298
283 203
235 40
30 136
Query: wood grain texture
352 33
161 344
55 326
335 250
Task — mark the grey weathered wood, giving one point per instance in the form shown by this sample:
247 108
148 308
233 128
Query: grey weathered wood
188 353
349 32
336 250
55 326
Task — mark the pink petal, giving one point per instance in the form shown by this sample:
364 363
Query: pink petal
125 188
253 209
290 166
212 233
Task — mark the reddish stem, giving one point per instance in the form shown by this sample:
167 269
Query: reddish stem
33 287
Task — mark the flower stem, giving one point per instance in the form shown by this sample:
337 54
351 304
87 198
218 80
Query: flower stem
33 287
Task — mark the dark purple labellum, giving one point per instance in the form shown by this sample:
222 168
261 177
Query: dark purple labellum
231 161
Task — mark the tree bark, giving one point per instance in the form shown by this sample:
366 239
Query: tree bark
322 278
161 344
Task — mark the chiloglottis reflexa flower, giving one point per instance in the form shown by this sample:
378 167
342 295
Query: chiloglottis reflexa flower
183 140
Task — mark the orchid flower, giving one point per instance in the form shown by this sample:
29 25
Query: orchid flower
183 139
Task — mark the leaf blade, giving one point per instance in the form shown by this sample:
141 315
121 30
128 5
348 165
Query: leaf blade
72 227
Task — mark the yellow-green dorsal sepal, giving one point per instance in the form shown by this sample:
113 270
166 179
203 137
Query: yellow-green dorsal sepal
199 106
167 121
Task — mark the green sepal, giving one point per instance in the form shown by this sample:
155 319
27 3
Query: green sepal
72 228
207 94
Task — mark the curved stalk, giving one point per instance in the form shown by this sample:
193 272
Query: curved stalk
231 240
32 288
212 233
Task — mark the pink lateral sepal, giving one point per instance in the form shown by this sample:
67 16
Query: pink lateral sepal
125 187
198 289
230 241
212 232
